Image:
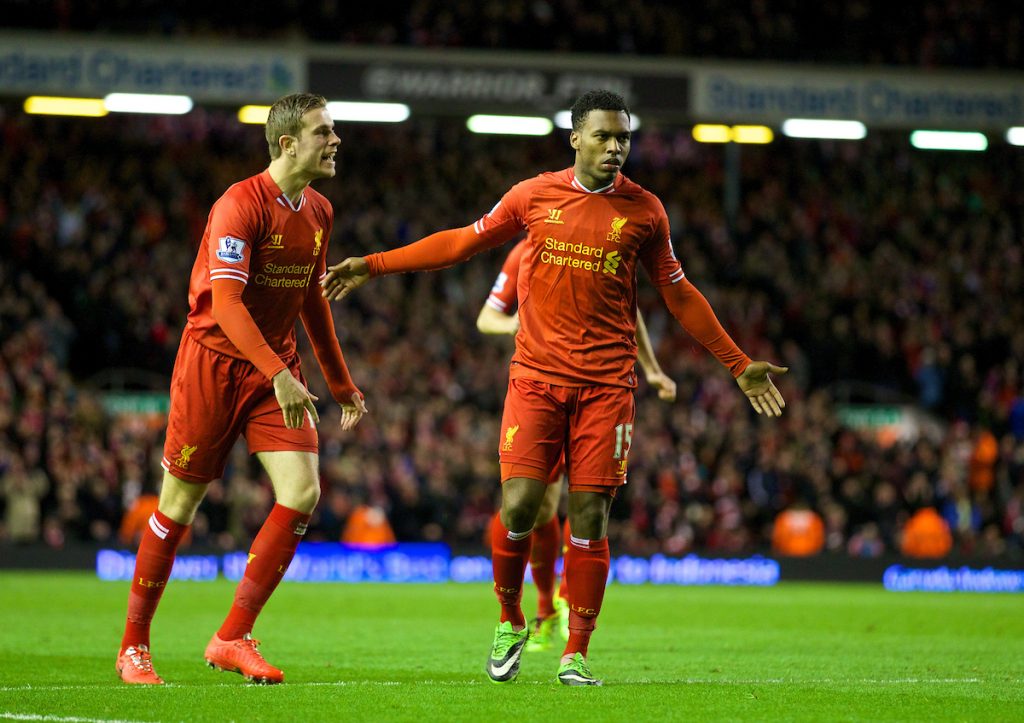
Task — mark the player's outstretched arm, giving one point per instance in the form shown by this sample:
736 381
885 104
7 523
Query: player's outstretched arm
492 321
344 278
649 363
352 413
295 400
758 386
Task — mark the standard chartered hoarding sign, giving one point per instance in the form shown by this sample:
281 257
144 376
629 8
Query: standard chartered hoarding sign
38 64
895 100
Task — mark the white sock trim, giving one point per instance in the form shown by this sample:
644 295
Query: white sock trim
579 542
158 529
516 536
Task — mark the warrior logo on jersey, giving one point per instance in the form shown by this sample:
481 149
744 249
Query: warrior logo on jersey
317 238
554 216
231 250
616 233
510 434
276 241
611 263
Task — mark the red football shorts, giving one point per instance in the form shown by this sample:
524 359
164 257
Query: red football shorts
214 399
592 425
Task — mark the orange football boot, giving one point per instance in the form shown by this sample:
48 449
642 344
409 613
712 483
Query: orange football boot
242 656
135 665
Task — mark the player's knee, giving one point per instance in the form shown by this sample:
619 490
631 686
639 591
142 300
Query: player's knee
303 499
588 517
179 499
517 516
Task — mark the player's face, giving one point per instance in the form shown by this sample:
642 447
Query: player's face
317 144
601 144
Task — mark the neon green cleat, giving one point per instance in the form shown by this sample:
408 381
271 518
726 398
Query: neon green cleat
503 665
576 672
542 630
562 608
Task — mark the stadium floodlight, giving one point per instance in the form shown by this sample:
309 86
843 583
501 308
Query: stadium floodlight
563 120
844 130
255 114
51 105
1015 136
949 140
752 134
358 112
712 133
513 125
148 103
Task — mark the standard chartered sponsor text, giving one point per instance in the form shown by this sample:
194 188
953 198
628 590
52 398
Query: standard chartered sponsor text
273 275
559 253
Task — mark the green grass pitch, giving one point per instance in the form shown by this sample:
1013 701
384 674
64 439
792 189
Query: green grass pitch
817 652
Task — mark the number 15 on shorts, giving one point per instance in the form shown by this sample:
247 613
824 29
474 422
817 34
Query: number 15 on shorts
623 438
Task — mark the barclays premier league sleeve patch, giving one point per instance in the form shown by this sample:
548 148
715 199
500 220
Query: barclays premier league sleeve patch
230 250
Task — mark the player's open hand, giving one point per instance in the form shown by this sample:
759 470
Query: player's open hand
352 413
344 278
295 400
758 386
664 384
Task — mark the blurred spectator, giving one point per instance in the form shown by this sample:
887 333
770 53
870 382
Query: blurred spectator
136 518
23 489
926 534
798 532
368 525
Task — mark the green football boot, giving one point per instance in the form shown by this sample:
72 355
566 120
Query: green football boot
542 630
576 672
503 664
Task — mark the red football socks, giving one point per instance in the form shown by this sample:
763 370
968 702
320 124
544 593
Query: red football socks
509 553
587 563
153 565
271 553
546 539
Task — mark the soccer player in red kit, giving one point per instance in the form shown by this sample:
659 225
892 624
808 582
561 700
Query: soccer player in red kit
498 315
237 373
571 378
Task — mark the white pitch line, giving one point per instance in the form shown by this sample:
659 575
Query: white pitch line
462 683
60 718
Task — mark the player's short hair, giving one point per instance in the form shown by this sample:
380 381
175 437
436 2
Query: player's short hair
285 118
596 100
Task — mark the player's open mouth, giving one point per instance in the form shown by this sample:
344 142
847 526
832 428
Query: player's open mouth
328 157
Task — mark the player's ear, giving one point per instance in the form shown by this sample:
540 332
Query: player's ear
574 140
287 144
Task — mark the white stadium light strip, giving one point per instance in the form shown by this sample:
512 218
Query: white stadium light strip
949 140
513 125
563 120
50 105
368 112
1015 136
255 114
148 103
848 130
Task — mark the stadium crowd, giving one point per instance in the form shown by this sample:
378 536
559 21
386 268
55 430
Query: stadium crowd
930 33
865 266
